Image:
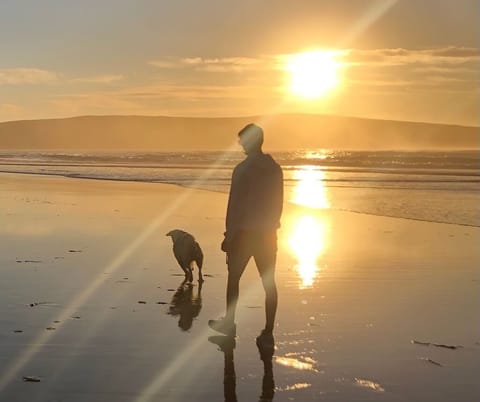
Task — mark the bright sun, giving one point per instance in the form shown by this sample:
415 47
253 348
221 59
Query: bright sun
313 74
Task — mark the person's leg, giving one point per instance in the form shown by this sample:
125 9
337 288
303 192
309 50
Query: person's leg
271 299
237 261
237 258
265 259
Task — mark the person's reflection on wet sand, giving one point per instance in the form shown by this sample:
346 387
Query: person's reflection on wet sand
226 344
185 304
268 384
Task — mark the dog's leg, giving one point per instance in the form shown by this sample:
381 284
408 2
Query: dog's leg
199 261
188 273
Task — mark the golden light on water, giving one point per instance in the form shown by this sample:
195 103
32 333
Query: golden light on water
307 240
307 230
313 73
310 190
295 363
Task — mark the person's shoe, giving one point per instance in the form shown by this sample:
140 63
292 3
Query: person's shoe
266 345
225 343
265 339
223 326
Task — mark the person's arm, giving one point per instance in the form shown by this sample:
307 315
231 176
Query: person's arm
236 206
278 197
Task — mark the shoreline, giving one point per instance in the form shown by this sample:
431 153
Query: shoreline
226 192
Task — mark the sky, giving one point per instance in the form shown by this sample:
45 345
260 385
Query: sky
414 60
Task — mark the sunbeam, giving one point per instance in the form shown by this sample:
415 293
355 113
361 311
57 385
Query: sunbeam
372 15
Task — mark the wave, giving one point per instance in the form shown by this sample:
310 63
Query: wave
327 158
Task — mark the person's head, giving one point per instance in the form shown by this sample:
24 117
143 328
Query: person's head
251 138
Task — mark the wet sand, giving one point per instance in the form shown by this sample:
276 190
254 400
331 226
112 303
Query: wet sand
89 260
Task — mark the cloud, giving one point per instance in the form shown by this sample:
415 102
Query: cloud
400 56
16 76
192 60
228 64
381 83
168 63
462 52
238 61
395 71
447 57
100 79
455 69
217 64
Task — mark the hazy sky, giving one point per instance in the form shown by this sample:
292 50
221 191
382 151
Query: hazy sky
407 60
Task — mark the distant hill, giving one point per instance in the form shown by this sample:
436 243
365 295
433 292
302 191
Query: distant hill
283 131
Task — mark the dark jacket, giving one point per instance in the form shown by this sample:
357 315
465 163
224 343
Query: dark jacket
256 196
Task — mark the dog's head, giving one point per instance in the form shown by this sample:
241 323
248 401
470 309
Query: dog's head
176 234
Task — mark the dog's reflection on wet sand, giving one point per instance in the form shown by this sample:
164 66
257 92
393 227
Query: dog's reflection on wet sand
185 304
227 345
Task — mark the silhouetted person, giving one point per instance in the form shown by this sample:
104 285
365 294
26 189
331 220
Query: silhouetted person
185 304
253 217
227 345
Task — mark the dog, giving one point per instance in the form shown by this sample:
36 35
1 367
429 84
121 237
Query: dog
186 250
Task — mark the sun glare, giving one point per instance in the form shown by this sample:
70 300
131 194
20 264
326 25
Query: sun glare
310 190
313 74
307 240
307 231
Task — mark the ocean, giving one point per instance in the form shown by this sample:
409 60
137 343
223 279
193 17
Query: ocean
434 186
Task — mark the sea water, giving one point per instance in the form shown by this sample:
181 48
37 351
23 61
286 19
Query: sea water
436 186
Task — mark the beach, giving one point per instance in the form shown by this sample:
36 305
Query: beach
371 308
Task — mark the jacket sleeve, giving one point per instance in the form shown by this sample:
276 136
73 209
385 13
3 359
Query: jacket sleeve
278 197
236 202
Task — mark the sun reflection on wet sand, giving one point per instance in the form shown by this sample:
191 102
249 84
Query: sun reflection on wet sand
307 231
307 240
369 384
310 190
296 363
294 387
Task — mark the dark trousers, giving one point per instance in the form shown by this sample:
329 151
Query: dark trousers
262 246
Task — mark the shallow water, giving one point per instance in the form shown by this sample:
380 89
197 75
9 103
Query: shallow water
426 185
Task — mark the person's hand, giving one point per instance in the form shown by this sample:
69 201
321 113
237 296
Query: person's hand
224 245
